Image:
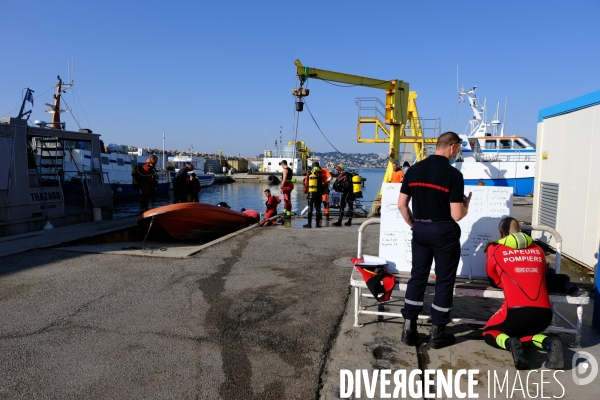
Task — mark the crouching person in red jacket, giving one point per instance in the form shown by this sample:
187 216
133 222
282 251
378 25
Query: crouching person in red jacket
518 267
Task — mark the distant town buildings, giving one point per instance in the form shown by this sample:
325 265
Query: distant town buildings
351 160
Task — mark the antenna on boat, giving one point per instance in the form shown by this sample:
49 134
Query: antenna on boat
457 79
504 117
70 72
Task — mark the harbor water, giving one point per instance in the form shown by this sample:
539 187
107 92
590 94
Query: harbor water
250 195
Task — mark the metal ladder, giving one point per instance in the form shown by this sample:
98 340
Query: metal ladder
52 155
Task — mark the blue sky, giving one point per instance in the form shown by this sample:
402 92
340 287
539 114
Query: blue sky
219 75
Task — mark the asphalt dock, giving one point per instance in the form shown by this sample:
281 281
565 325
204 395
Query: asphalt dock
265 313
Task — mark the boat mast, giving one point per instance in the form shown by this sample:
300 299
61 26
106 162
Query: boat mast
55 108
163 155
476 121
504 117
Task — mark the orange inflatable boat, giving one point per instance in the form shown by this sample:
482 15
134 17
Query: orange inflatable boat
193 220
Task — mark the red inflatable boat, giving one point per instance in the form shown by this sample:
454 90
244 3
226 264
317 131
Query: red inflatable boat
193 220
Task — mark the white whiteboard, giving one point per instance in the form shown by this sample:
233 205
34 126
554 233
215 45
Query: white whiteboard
489 205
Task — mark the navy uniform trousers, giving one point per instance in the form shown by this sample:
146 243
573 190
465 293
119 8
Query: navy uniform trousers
439 241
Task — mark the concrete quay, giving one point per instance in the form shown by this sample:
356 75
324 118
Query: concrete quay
265 313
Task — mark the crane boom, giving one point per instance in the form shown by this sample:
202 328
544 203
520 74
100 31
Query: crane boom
400 108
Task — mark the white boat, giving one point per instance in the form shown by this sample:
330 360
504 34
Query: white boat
490 158
117 165
198 162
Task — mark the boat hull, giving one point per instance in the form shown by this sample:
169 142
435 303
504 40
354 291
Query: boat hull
518 175
128 190
193 220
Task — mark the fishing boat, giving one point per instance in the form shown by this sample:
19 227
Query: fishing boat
198 163
33 177
195 220
490 158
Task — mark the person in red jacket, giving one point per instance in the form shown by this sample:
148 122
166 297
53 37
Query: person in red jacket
326 177
148 181
271 204
518 266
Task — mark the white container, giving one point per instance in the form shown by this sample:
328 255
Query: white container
97 214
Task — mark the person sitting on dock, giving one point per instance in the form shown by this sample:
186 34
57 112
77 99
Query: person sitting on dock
313 185
148 181
271 204
397 174
179 183
192 188
343 184
287 185
518 266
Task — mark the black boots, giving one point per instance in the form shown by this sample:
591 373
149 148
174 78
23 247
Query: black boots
327 217
515 347
553 347
309 224
339 221
438 337
409 333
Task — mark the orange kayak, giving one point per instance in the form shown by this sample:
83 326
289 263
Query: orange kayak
193 220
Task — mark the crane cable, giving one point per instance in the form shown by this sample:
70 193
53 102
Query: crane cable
313 118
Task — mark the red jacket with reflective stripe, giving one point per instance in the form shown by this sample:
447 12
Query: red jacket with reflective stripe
520 273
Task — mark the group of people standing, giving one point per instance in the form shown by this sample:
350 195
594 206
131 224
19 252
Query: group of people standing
316 185
185 188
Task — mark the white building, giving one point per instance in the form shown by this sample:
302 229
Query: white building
272 160
567 175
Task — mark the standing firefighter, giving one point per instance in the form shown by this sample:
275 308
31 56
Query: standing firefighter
313 185
287 185
326 178
343 184
147 181
438 203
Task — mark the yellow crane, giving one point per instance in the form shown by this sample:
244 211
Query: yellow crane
304 152
400 110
